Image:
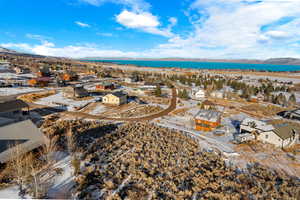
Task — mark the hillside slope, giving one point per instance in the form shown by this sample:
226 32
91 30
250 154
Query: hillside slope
142 161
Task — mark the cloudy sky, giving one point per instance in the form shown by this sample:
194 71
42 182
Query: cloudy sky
152 28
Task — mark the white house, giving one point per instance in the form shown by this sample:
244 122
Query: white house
198 93
117 98
217 94
281 135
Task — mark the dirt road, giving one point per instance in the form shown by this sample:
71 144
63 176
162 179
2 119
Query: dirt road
171 107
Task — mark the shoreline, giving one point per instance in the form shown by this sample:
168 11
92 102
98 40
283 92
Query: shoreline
284 76
199 69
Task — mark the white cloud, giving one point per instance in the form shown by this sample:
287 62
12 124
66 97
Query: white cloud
135 20
73 51
81 24
220 29
135 5
144 21
105 34
40 38
233 29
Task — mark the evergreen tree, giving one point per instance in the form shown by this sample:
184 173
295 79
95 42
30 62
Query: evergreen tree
292 100
157 91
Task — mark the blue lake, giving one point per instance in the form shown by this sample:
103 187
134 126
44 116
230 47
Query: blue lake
204 65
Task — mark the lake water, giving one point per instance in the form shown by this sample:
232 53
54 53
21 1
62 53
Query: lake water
204 65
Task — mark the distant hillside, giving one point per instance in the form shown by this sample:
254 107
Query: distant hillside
283 61
5 50
274 61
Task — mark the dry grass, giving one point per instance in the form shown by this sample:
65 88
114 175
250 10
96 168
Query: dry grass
36 96
262 110
142 161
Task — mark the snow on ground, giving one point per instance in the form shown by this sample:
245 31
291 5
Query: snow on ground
297 94
12 192
58 99
98 110
205 141
63 183
15 76
17 90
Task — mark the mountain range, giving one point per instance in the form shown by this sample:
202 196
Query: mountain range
274 61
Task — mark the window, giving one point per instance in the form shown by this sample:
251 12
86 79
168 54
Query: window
267 136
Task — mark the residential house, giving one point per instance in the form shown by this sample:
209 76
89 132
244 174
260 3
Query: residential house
294 114
44 72
13 109
217 94
77 91
198 93
207 120
69 76
24 135
40 81
257 98
281 135
21 70
105 86
4 63
116 98
208 105
132 79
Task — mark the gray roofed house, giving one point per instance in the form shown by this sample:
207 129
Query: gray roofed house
208 115
294 114
23 133
281 135
13 108
13 105
75 91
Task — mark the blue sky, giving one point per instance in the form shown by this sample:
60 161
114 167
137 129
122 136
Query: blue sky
141 28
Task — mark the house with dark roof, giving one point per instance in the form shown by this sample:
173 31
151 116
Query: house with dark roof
77 91
105 86
208 105
116 98
293 114
24 135
13 109
281 134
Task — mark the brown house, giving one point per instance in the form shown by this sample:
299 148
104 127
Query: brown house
208 105
44 72
207 120
69 76
105 86
41 81
13 109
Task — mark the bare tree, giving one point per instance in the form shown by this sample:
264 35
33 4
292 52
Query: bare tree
19 166
70 141
47 151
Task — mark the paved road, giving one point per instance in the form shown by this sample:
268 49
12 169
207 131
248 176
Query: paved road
171 107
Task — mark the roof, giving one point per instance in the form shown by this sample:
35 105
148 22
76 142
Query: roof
284 131
259 125
106 84
25 133
12 105
208 115
296 112
43 79
209 103
118 94
80 90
